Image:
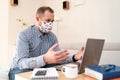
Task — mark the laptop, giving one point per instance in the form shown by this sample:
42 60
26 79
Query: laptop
92 54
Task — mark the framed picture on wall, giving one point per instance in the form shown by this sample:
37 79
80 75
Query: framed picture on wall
14 2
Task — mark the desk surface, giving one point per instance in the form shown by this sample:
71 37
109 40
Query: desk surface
26 76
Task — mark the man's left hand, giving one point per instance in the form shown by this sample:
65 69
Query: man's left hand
79 54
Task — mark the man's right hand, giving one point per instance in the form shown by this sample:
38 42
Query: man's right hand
53 56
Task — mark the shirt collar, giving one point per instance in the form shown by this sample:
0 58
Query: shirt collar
37 31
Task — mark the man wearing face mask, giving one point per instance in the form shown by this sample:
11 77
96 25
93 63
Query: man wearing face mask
38 47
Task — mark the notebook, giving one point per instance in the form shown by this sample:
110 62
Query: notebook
44 74
92 54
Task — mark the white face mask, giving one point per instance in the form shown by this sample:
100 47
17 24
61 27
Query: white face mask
46 27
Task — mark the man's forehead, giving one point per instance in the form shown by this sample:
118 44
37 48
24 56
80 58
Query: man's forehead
48 13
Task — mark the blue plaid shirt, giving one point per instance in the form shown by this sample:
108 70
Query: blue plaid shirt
31 46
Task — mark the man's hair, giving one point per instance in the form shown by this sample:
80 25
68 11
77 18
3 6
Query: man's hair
41 10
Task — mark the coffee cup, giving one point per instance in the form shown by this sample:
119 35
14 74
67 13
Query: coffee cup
70 70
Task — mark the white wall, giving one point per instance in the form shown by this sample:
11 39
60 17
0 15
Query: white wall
3 32
94 18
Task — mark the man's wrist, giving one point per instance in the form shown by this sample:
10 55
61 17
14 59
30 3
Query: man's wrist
44 57
73 58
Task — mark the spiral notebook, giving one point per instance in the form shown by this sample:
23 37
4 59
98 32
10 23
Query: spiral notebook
44 74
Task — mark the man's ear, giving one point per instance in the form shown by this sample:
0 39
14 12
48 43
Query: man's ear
37 17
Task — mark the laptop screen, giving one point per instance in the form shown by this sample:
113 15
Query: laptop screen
92 53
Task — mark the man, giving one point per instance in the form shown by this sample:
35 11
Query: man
38 47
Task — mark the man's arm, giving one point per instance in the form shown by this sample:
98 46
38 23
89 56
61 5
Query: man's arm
24 56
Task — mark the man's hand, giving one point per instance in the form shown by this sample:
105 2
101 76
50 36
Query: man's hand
79 54
55 56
